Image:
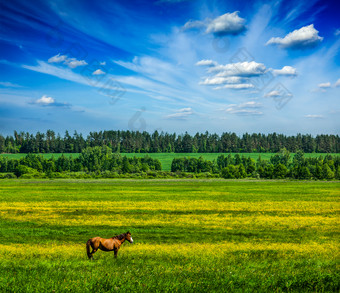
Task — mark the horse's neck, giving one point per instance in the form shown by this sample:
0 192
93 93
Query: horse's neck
121 240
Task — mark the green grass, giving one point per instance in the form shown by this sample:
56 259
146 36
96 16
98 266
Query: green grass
166 158
190 235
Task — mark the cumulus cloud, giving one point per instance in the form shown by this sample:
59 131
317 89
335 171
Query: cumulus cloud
45 100
286 70
250 108
98 72
246 69
73 62
49 101
312 116
227 24
324 85
70 62
181 114
233 75
305 37
337 83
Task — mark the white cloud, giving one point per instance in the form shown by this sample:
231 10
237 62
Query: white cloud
73 62
310 116
272 94
98 72
324 85
70 62
275 94
9 84
337 83
240 86
226 24
246 69
286 70
233 75
45 100
193 24
206 63
304 37
57 59
337 32
221 80
181 114
103 63
249 109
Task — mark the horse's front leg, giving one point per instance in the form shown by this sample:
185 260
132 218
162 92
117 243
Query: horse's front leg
115 252
92 253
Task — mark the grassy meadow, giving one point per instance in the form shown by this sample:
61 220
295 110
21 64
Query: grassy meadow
189 235
166 158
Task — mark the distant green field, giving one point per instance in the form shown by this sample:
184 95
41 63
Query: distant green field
189 235
166 158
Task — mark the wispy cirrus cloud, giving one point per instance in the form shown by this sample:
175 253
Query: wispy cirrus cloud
314 116
9 84
250 108
181 114
222 80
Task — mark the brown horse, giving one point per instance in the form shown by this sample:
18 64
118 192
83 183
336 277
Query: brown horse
110 244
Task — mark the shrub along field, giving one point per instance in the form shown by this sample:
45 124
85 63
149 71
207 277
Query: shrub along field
189 235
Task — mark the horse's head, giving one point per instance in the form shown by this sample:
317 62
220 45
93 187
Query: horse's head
128 237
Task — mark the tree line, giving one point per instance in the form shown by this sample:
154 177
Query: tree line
100 162
144 142
92 161
279 166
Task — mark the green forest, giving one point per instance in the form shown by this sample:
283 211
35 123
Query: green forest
144 142
101 162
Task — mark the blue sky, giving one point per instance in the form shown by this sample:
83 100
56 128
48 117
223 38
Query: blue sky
170 65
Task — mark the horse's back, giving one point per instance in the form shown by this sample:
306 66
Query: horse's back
95 240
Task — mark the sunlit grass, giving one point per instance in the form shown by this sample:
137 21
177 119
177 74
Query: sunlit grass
190 236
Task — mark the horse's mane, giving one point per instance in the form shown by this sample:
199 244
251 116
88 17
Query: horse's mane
119 237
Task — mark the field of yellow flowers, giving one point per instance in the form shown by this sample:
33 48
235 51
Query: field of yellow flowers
189 235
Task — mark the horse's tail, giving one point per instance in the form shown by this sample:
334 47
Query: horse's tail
88 245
